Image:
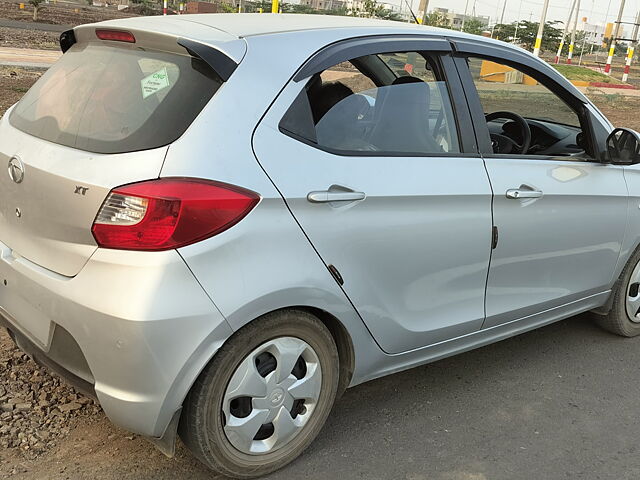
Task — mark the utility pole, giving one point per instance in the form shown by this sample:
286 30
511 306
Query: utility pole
543 19
584 28
612 40
564 34
572 45
424 5
504 7
632 48
515 35
464 17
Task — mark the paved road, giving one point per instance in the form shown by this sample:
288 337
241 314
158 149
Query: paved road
45 27
562 402
26 57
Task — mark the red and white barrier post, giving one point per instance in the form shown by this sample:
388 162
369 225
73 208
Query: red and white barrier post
627 65
612 51
164 7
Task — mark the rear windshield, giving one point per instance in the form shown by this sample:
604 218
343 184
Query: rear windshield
111 99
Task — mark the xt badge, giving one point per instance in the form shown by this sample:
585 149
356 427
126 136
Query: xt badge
81 190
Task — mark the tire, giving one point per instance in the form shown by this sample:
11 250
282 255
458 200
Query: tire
618 320
203 424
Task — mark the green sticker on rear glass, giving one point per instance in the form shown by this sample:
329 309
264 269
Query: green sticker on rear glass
154 82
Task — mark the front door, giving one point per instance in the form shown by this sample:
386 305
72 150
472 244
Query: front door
369 159
560 214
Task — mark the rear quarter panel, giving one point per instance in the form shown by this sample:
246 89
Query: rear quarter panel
265 262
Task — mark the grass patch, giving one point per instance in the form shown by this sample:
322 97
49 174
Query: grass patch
573 72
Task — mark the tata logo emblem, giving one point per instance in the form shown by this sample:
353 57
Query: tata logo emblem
16 170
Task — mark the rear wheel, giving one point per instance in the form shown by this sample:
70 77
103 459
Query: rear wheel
264 397
624 316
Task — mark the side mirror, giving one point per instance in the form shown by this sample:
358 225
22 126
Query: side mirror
623 147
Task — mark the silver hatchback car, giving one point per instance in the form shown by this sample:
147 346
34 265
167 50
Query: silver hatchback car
217 223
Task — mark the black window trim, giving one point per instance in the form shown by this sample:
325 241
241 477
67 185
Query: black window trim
344 50
545 74
439 49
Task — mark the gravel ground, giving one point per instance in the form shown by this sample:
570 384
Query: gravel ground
36 408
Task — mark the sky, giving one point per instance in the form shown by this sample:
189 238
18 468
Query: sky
594 10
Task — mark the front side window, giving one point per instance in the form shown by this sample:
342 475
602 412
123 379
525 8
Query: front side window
380 104
555 127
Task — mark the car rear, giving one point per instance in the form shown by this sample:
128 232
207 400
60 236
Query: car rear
90 278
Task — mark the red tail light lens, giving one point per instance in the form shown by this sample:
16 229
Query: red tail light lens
115 35
169 213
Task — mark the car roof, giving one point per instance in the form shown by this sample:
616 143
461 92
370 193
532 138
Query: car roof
250 24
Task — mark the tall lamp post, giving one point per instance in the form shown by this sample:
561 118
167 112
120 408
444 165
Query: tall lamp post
543 19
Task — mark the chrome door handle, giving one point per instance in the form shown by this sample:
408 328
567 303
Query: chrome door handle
327 196
516 193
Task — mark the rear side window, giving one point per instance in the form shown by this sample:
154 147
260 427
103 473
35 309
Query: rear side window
111 99
391 104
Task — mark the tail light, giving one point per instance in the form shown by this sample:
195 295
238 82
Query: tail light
169 213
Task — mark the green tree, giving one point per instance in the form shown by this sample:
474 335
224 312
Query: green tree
36 7
473 25
527 32
437 19
372 9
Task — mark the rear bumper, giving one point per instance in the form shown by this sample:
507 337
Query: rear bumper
142 327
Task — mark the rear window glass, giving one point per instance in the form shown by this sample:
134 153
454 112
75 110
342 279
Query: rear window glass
110 99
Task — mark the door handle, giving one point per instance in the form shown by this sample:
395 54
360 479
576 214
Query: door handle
335 194
522 192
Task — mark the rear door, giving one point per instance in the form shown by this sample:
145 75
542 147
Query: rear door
373 150
101 117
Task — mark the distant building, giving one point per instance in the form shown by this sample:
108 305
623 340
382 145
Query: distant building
456 19
324 4
202 7
599 34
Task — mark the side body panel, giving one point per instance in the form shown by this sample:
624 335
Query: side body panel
414 254
558 248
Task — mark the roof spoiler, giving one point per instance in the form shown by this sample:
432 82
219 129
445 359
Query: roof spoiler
221 63
217 60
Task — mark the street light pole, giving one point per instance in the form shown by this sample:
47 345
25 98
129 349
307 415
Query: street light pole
543 19
504 7
564 34
515 35
572 45
464 18
612 40
424 12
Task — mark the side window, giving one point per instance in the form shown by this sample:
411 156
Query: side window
555 126
382 104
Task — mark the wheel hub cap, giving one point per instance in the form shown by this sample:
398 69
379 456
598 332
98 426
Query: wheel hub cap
271 395
633 295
